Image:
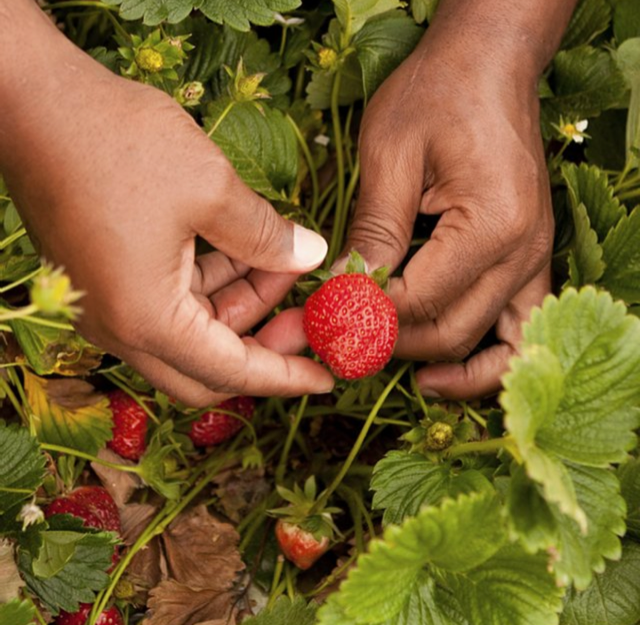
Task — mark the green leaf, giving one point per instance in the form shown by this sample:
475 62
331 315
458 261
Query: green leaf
628 58
78 580
404 483
621 254
57 549
286 611
68 412
448 537
626 20
580 554
382 44
351 88
22 466
17 612
612 598
239 14
353 14
52 350
512 588
595 343
585 259
629 476
423 10
589 185
427 604
261 145
590 18
531 516
586 81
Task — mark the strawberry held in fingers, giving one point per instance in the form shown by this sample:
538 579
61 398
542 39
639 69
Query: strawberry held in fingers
129 426
351 323
108 617
214 427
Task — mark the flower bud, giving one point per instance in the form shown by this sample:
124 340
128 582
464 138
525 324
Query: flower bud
149 60
327 58
189 94
439 436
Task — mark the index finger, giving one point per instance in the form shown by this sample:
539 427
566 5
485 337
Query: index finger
204 349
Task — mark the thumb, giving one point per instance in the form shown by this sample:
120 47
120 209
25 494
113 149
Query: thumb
247 228
390 192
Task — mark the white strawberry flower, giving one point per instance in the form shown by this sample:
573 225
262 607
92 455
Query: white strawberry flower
30 514
322 140
287 21
574 131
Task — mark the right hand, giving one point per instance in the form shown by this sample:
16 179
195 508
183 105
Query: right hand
114 182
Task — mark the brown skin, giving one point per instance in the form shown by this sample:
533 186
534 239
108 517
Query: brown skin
114 181
454 132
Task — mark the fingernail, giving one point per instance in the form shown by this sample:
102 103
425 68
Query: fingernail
430 393
309 248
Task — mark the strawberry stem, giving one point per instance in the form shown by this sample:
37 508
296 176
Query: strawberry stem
337 230
304 146
84 456
324 497
284 457
482 447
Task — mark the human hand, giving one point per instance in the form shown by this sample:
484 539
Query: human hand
454 132
114 181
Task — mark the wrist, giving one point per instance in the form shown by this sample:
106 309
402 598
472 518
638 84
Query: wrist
497 39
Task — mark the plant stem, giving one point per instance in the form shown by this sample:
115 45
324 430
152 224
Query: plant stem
482 447
416 391
474 415
324 498
81 454
336 233
304 146
4 385
220 119
12 237
20 281
282 465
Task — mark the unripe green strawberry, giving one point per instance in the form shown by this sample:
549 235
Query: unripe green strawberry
352 324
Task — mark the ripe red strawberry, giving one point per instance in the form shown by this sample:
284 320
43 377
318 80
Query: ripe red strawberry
215 427
129 426
95 506
352 324
108 617
99 502
299 546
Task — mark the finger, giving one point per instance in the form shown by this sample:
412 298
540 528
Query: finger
214 271
209 352
390 189
456 332
480 375
446 266
247 228
284 333
171 382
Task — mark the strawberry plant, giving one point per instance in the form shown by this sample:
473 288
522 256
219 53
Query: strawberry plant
119 504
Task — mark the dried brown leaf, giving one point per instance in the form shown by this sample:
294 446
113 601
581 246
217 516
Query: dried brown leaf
240 491
172 603
135 517
120 484
10 580
197 544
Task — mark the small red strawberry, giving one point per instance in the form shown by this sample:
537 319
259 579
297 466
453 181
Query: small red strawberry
95 506
303 532
352 324
299 546
129 425
108 617
215 427
99 502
